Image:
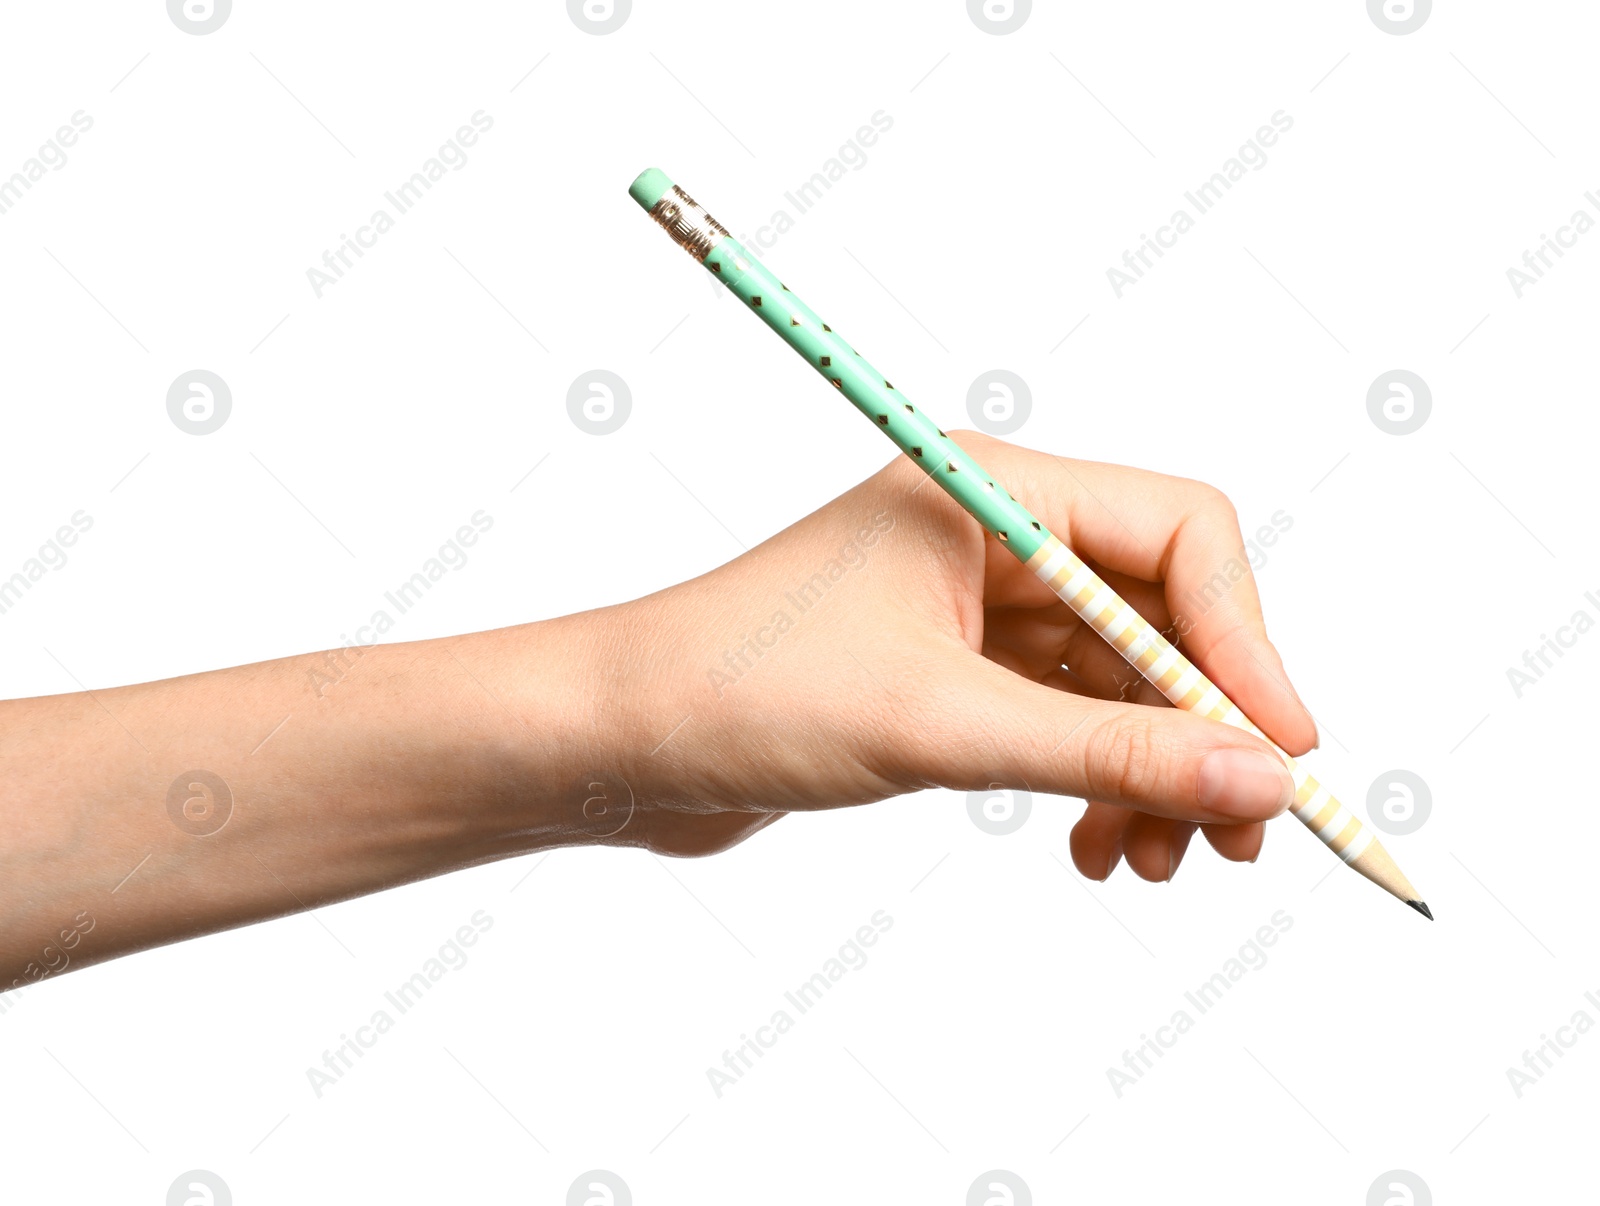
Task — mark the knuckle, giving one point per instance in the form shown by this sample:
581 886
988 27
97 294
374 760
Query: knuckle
968 436
1206 499
1220 505
979 444
1124 759
900 475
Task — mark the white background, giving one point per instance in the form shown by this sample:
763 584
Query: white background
370 423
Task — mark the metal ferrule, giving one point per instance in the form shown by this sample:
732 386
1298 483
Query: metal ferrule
691 228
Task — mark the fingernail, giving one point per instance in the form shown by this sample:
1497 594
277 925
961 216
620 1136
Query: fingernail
1244 784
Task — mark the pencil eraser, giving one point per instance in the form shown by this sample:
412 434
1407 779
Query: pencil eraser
650 186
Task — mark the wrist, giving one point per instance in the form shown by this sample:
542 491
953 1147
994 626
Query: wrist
537 722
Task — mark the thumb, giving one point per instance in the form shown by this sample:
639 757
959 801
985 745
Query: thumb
1157 760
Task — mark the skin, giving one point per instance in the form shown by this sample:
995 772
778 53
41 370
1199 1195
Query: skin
682 722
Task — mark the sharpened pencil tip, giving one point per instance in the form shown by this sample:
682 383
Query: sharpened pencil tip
1421 908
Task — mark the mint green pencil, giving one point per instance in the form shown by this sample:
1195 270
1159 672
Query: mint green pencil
1012 524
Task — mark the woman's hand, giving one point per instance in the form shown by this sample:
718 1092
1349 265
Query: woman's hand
881 645
886 643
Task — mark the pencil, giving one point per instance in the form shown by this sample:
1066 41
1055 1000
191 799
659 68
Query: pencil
1012 524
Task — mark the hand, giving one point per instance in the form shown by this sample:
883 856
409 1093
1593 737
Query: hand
886 643
881 645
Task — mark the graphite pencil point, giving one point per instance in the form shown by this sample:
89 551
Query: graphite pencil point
1420 907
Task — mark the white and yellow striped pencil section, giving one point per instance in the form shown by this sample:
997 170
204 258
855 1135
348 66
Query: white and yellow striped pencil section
1152 655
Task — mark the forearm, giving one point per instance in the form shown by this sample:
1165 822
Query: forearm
146 814
881 645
